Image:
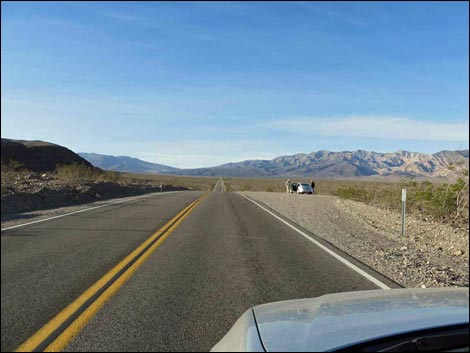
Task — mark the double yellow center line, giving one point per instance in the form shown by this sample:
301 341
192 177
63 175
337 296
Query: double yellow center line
59 331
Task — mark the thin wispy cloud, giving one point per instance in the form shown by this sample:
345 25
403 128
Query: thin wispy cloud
141 44
152 22
60 23
375 127
335 15
121 16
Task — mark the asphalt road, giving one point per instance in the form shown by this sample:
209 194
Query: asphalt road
45 266
225 256
219 186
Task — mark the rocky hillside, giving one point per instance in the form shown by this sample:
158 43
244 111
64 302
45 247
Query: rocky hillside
326 164
447 157
38 156
126 164
38 175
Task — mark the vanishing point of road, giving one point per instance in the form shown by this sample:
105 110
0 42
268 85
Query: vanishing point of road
165 272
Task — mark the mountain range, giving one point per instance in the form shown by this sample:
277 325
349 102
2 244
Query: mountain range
45 156
126 164
320 164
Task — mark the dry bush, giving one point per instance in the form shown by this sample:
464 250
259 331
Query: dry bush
75 173
11 172
110 177
78 173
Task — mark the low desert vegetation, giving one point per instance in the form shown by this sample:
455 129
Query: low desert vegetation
68 173
322 186
12 171
24 190
78 173
192 183
444 200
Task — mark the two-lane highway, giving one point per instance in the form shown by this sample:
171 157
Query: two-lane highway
46 265
225 256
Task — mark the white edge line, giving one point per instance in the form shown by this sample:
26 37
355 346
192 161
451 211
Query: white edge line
86 209
329 251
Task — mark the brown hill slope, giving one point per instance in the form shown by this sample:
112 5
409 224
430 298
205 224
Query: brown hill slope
38 156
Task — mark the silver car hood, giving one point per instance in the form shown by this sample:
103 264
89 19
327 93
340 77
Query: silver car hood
337 320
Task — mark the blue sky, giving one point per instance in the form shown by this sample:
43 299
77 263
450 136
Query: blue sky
203 83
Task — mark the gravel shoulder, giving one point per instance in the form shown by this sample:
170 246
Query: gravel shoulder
431 255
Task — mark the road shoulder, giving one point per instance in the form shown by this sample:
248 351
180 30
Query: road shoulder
394 257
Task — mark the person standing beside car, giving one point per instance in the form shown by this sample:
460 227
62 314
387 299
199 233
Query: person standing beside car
312 184
288 186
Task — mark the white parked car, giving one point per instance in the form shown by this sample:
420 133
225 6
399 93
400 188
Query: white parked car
304 188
